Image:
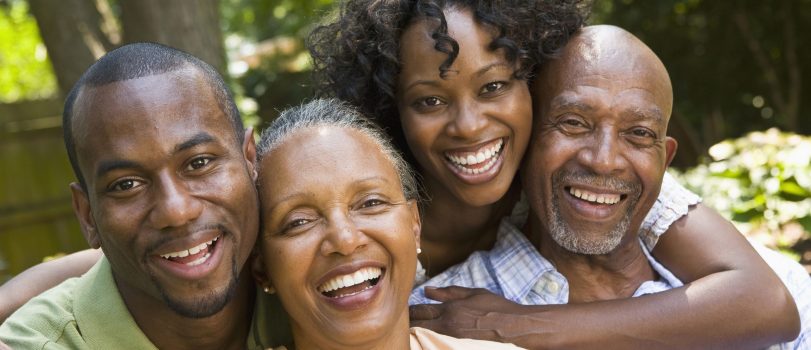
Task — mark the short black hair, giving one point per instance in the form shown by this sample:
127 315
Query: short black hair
139 60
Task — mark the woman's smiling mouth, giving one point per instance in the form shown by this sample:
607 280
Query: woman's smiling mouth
351 284
477 165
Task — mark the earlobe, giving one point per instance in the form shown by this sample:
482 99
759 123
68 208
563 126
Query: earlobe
249 149
671 145
417 223
81 207
260 275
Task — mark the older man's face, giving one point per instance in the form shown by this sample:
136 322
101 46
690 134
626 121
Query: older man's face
599 150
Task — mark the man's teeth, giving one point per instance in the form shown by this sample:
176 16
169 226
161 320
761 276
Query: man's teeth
488 154
594 197
357 277
191 251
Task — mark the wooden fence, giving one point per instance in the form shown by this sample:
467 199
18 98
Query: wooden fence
36 218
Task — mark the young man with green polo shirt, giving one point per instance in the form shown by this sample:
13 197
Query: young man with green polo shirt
165 186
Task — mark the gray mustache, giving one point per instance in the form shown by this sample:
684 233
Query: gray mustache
589 178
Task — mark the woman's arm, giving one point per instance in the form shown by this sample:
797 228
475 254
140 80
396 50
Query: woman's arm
707 250
732 300
42 277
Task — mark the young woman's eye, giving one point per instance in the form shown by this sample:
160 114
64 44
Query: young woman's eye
431 101
492 87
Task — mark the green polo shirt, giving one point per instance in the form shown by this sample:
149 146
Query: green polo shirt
88 313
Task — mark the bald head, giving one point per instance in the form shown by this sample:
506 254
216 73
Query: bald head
605 52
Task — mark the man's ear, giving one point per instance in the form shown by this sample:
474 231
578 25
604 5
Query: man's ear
81 207
260 275
671 145
416 225
249 149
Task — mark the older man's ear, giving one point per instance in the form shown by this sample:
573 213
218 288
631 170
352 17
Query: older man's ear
671 145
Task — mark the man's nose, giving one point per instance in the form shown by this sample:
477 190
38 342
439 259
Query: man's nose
603 154
175 205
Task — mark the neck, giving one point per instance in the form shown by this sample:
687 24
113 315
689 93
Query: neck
227 329
452 229
396 337
615 275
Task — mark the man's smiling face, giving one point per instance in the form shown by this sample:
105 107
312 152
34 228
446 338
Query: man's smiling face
170 194
599 148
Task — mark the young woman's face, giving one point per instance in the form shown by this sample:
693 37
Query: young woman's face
338 239
468 131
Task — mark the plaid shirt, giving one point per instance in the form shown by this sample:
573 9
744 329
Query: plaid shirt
517 271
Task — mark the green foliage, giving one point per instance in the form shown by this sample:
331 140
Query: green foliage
265 45
25 72
761 181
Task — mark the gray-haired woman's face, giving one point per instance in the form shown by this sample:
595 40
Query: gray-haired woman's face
339 238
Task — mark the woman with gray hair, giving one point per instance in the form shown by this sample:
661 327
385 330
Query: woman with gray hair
340 232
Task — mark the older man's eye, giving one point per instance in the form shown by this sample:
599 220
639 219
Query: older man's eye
640 132
642 136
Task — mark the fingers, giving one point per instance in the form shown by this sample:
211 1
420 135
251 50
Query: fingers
424 312
451 293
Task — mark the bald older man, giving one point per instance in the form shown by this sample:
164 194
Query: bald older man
591 174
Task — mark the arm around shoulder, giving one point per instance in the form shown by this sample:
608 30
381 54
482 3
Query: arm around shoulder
42 277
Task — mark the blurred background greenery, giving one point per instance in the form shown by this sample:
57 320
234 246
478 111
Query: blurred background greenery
737 70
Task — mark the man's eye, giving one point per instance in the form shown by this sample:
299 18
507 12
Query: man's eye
643 133
297 223
572 122
198 163
124 185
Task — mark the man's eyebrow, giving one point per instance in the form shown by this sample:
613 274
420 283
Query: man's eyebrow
561 102
199 138
110 165
642 113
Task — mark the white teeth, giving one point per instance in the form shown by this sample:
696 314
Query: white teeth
488 155
200 261
594 197
191 251
357 277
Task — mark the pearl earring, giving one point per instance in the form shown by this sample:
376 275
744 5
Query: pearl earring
419 250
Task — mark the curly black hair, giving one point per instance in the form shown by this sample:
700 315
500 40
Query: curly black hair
356 51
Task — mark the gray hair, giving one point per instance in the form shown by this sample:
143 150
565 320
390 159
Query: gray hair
338 114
